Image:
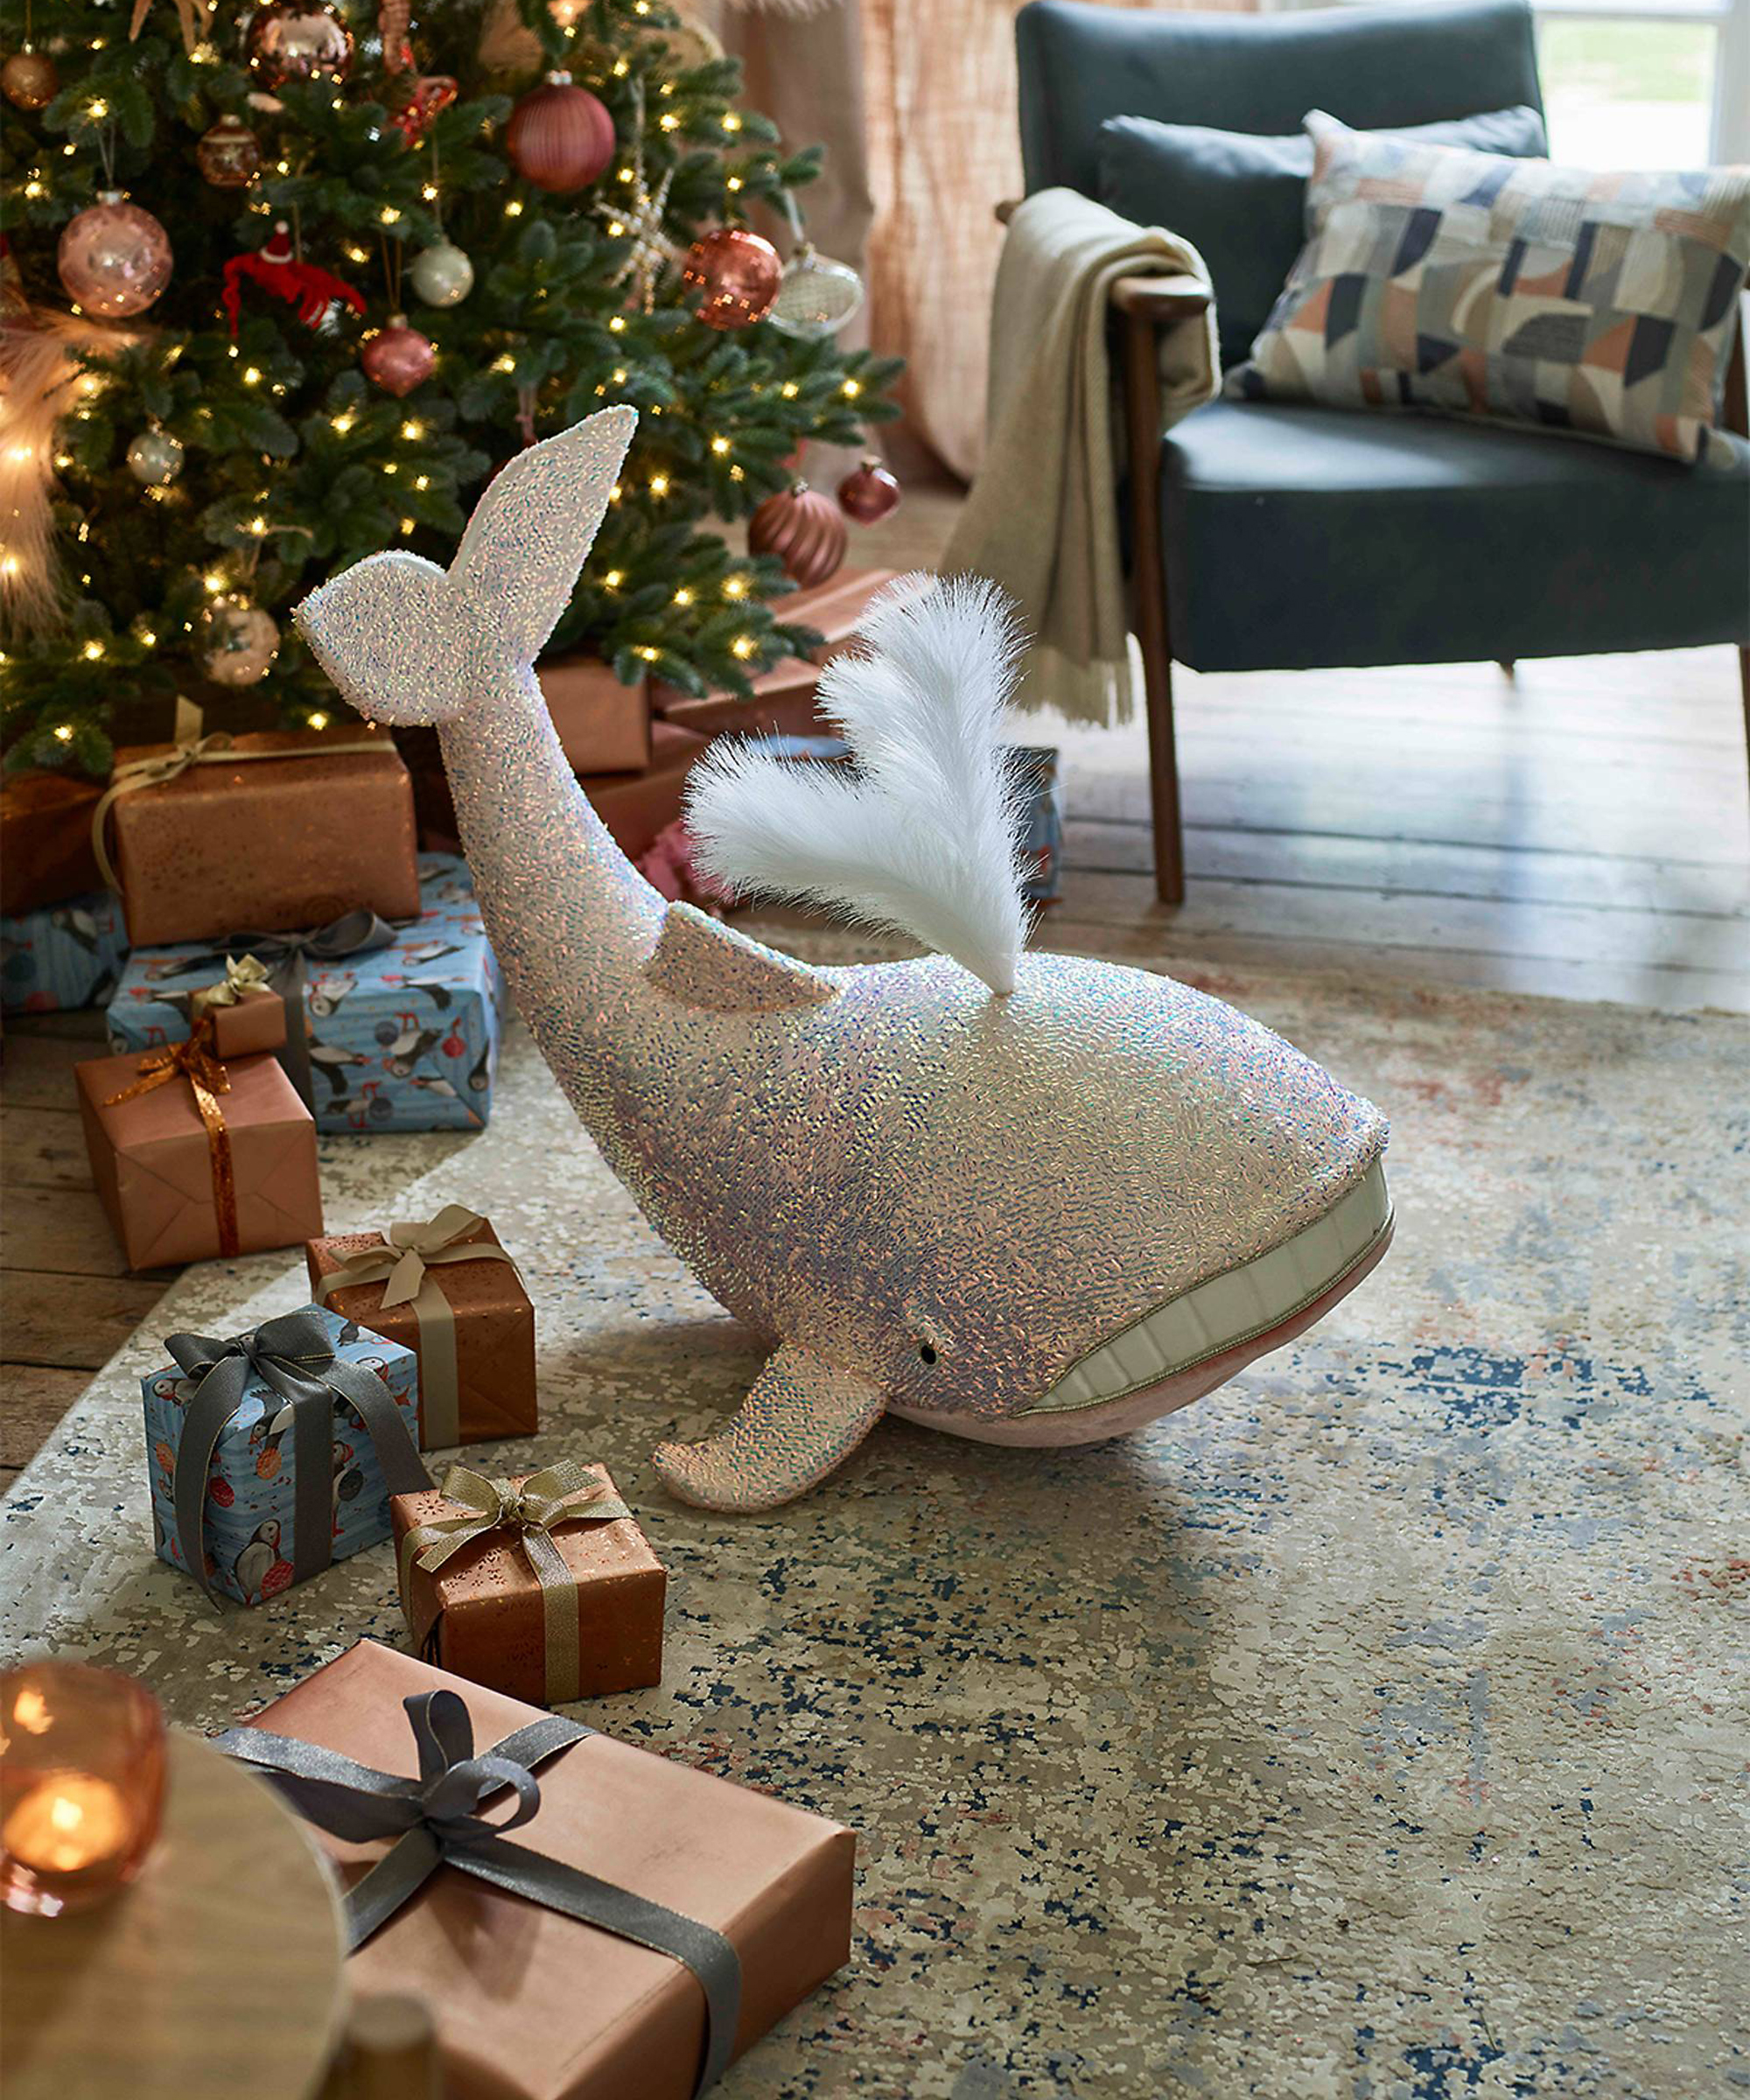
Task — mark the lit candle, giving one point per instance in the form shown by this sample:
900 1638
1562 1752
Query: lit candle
67 1825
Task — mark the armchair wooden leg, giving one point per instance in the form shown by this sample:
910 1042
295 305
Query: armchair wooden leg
1169 830
1142 408
1509 666
1744 681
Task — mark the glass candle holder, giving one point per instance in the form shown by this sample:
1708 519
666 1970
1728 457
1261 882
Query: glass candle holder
82 1784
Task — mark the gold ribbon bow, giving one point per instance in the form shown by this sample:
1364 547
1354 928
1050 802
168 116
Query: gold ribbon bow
409 1249
563 1494
194 1060
243 974
189 747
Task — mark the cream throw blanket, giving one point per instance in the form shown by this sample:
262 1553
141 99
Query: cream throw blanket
1042 519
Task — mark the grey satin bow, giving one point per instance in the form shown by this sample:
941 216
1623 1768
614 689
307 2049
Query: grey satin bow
434 1821
354 933
295 1358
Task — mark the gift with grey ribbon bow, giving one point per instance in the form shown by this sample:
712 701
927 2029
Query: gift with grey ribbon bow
294 1357
286 956
435 1822
402 1261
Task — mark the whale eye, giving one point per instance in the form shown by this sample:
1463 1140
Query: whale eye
926 1354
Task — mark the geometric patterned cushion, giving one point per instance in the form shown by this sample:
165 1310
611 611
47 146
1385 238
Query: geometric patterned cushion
1433 278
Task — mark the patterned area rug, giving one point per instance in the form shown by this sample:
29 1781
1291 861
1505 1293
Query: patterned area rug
1374 1729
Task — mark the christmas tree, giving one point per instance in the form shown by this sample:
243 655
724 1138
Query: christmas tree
212 402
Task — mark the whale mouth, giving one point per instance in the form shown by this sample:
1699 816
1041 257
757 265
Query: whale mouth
1228 1310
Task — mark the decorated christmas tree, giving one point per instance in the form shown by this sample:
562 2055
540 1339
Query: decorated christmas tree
286 285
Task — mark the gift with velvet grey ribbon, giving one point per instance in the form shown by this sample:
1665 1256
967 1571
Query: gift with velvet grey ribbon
435 1822
286 956
293 1356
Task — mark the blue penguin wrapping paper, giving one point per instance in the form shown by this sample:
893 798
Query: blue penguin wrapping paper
400 1039
250 1487
64 955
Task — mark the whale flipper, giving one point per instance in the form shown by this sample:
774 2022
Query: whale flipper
802 1418
702 963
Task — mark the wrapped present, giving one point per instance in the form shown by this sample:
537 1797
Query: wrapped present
446 1288
246 1015
45 855
539 1584
63 956
274 830
275 1451
397 1027
645 1924
194 1155
603 726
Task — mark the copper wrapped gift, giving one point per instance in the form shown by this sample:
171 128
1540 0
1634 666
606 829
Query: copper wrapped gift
45 855
636 1925
195 1156
278 828
541 1585
246 1015
603 726
445 1289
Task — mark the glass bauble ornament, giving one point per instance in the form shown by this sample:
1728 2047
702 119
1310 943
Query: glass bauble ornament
442 276
817 295
869 493
560 136
29 81
239 642
398 357
229 153
113 259
736 274
290 40
805 529
155 457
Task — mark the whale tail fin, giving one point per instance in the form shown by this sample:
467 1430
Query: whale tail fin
923 837
398 635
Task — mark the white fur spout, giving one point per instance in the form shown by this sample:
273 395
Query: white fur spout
922 837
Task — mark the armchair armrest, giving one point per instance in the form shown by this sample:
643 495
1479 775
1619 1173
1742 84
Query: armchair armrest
1160 298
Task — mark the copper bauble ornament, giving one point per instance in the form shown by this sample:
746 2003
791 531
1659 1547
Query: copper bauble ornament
817 295
560 136
229 153
736 274
805 530
291 40
29 81
869 493
113 259
398 357
239 642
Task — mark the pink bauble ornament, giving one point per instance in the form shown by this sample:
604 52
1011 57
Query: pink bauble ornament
869 493
291 40
113 259
736 274
228 154
804 528
560 136
398 358
29 81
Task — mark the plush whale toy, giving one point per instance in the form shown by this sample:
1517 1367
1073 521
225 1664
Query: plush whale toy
1027 1197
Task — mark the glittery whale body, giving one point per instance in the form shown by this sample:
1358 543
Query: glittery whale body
1045 1217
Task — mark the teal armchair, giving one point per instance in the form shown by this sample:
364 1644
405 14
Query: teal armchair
1278 537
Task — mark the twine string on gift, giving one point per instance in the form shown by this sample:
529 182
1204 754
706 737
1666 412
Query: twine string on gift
563 1494
409 1249
189 748
293 1356
195 1061
433 1821
354 933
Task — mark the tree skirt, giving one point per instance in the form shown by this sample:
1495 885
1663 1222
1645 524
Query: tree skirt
1375 1727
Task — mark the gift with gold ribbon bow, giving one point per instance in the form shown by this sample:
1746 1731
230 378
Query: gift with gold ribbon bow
242 1010
201 859
196 1062
437 1289
591 1621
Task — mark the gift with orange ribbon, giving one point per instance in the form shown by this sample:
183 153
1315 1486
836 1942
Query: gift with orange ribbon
194 1155
273 829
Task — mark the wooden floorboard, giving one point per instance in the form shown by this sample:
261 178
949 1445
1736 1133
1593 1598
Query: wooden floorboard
1580 831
